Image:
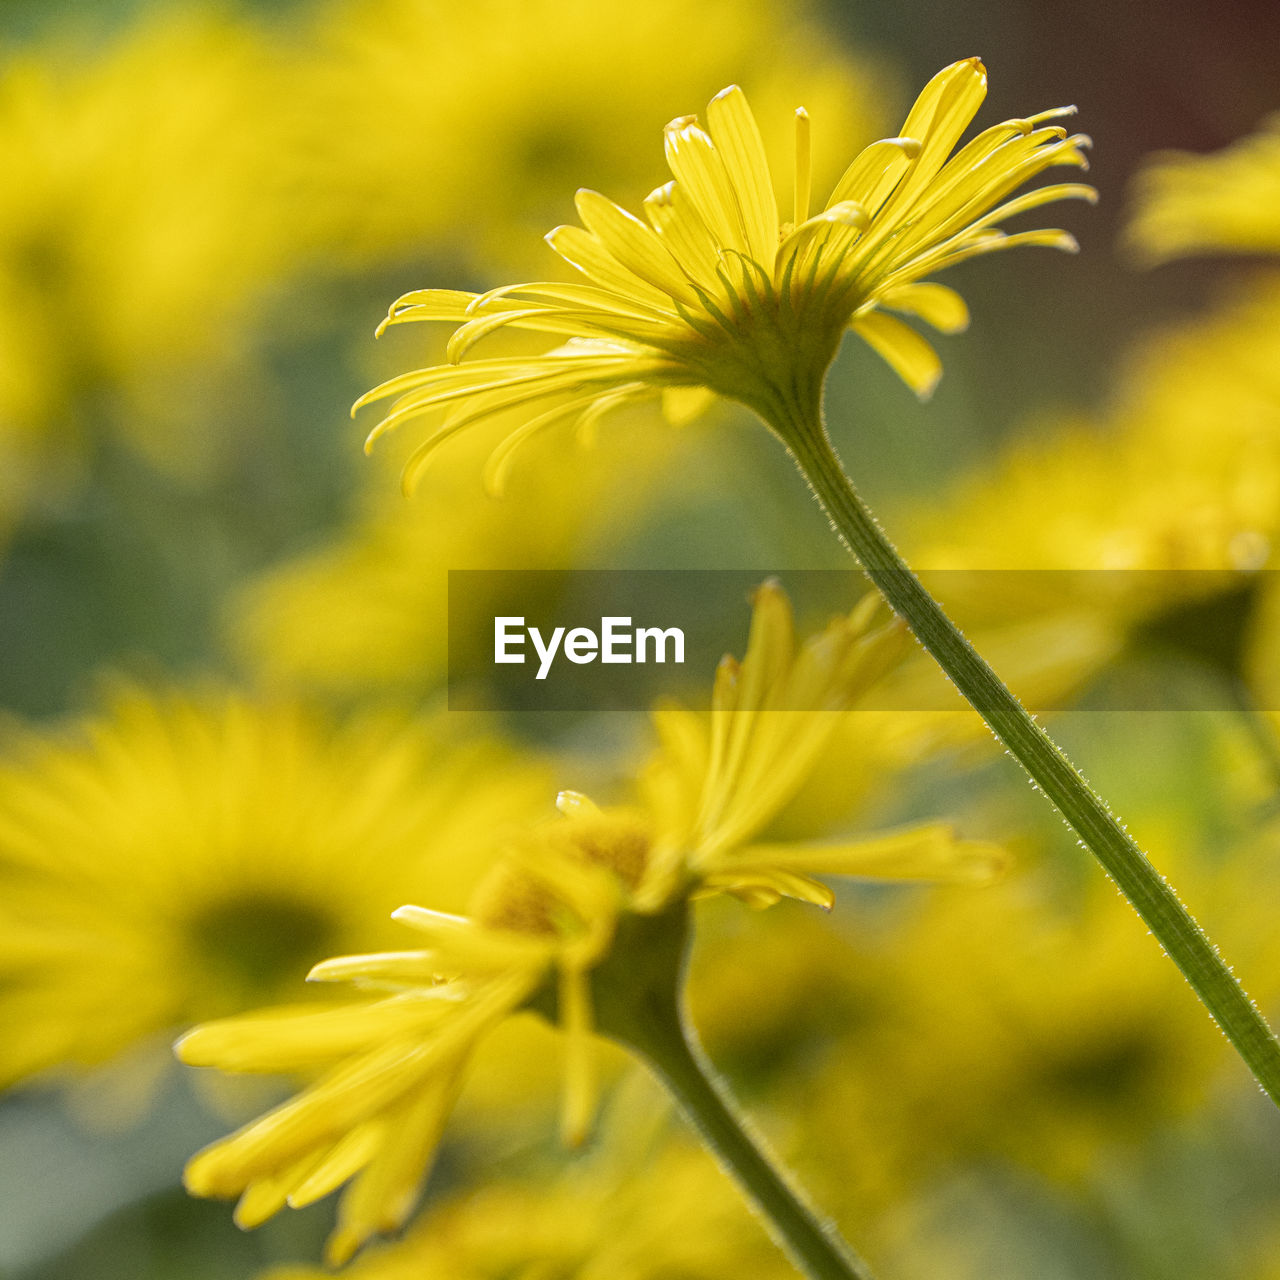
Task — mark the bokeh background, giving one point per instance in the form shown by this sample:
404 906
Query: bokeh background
223 638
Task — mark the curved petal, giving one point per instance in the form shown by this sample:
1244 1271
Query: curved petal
906 352
935 304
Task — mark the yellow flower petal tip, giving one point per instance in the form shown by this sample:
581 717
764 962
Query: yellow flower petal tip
981 862
709 290
185 1048
200 1177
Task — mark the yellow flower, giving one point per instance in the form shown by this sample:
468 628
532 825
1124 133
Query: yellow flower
1025 1028
1226 202
712 293
1229 389
409 110
1168 497
144 218
177 857
163 186
567 923
645 1202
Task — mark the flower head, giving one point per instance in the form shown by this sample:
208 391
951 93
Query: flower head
564 924
175 857
714 293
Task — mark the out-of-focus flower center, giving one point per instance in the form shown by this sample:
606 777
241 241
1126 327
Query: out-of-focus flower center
251 946
619 842
516 898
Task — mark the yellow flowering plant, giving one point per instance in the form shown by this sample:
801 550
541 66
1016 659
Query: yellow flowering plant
176 855
584 920
713 295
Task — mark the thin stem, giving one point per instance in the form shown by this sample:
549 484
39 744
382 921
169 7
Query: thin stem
636 992
1144 887
814 1245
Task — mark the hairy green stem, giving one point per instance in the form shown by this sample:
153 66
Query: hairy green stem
1146 889
638 1004
812 1244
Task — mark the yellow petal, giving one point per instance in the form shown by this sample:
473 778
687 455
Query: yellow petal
681 405
698 168
347 1157
497 466
604 404
874 173
265 1197
737 139
930 851
419 968
383 1194
935 304
906 352
582 250
634 245
579 1064
470 947
673 217
763 886
427 304
940 115
297 1037
961 249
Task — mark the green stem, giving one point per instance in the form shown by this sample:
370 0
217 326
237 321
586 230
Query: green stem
813 1245
637 1003
1147 891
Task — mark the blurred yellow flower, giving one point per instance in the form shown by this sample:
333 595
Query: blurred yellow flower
1230 202
644 1203
1024 1027
1172 495
1225 202
1181 472
429 127
165 185
561 925
141 222
176 857
713 294
368 611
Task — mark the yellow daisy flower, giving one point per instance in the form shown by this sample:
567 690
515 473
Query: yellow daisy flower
1225 202
571 923
176 857
713 293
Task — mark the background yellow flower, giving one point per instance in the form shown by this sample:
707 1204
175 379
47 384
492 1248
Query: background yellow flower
177 856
